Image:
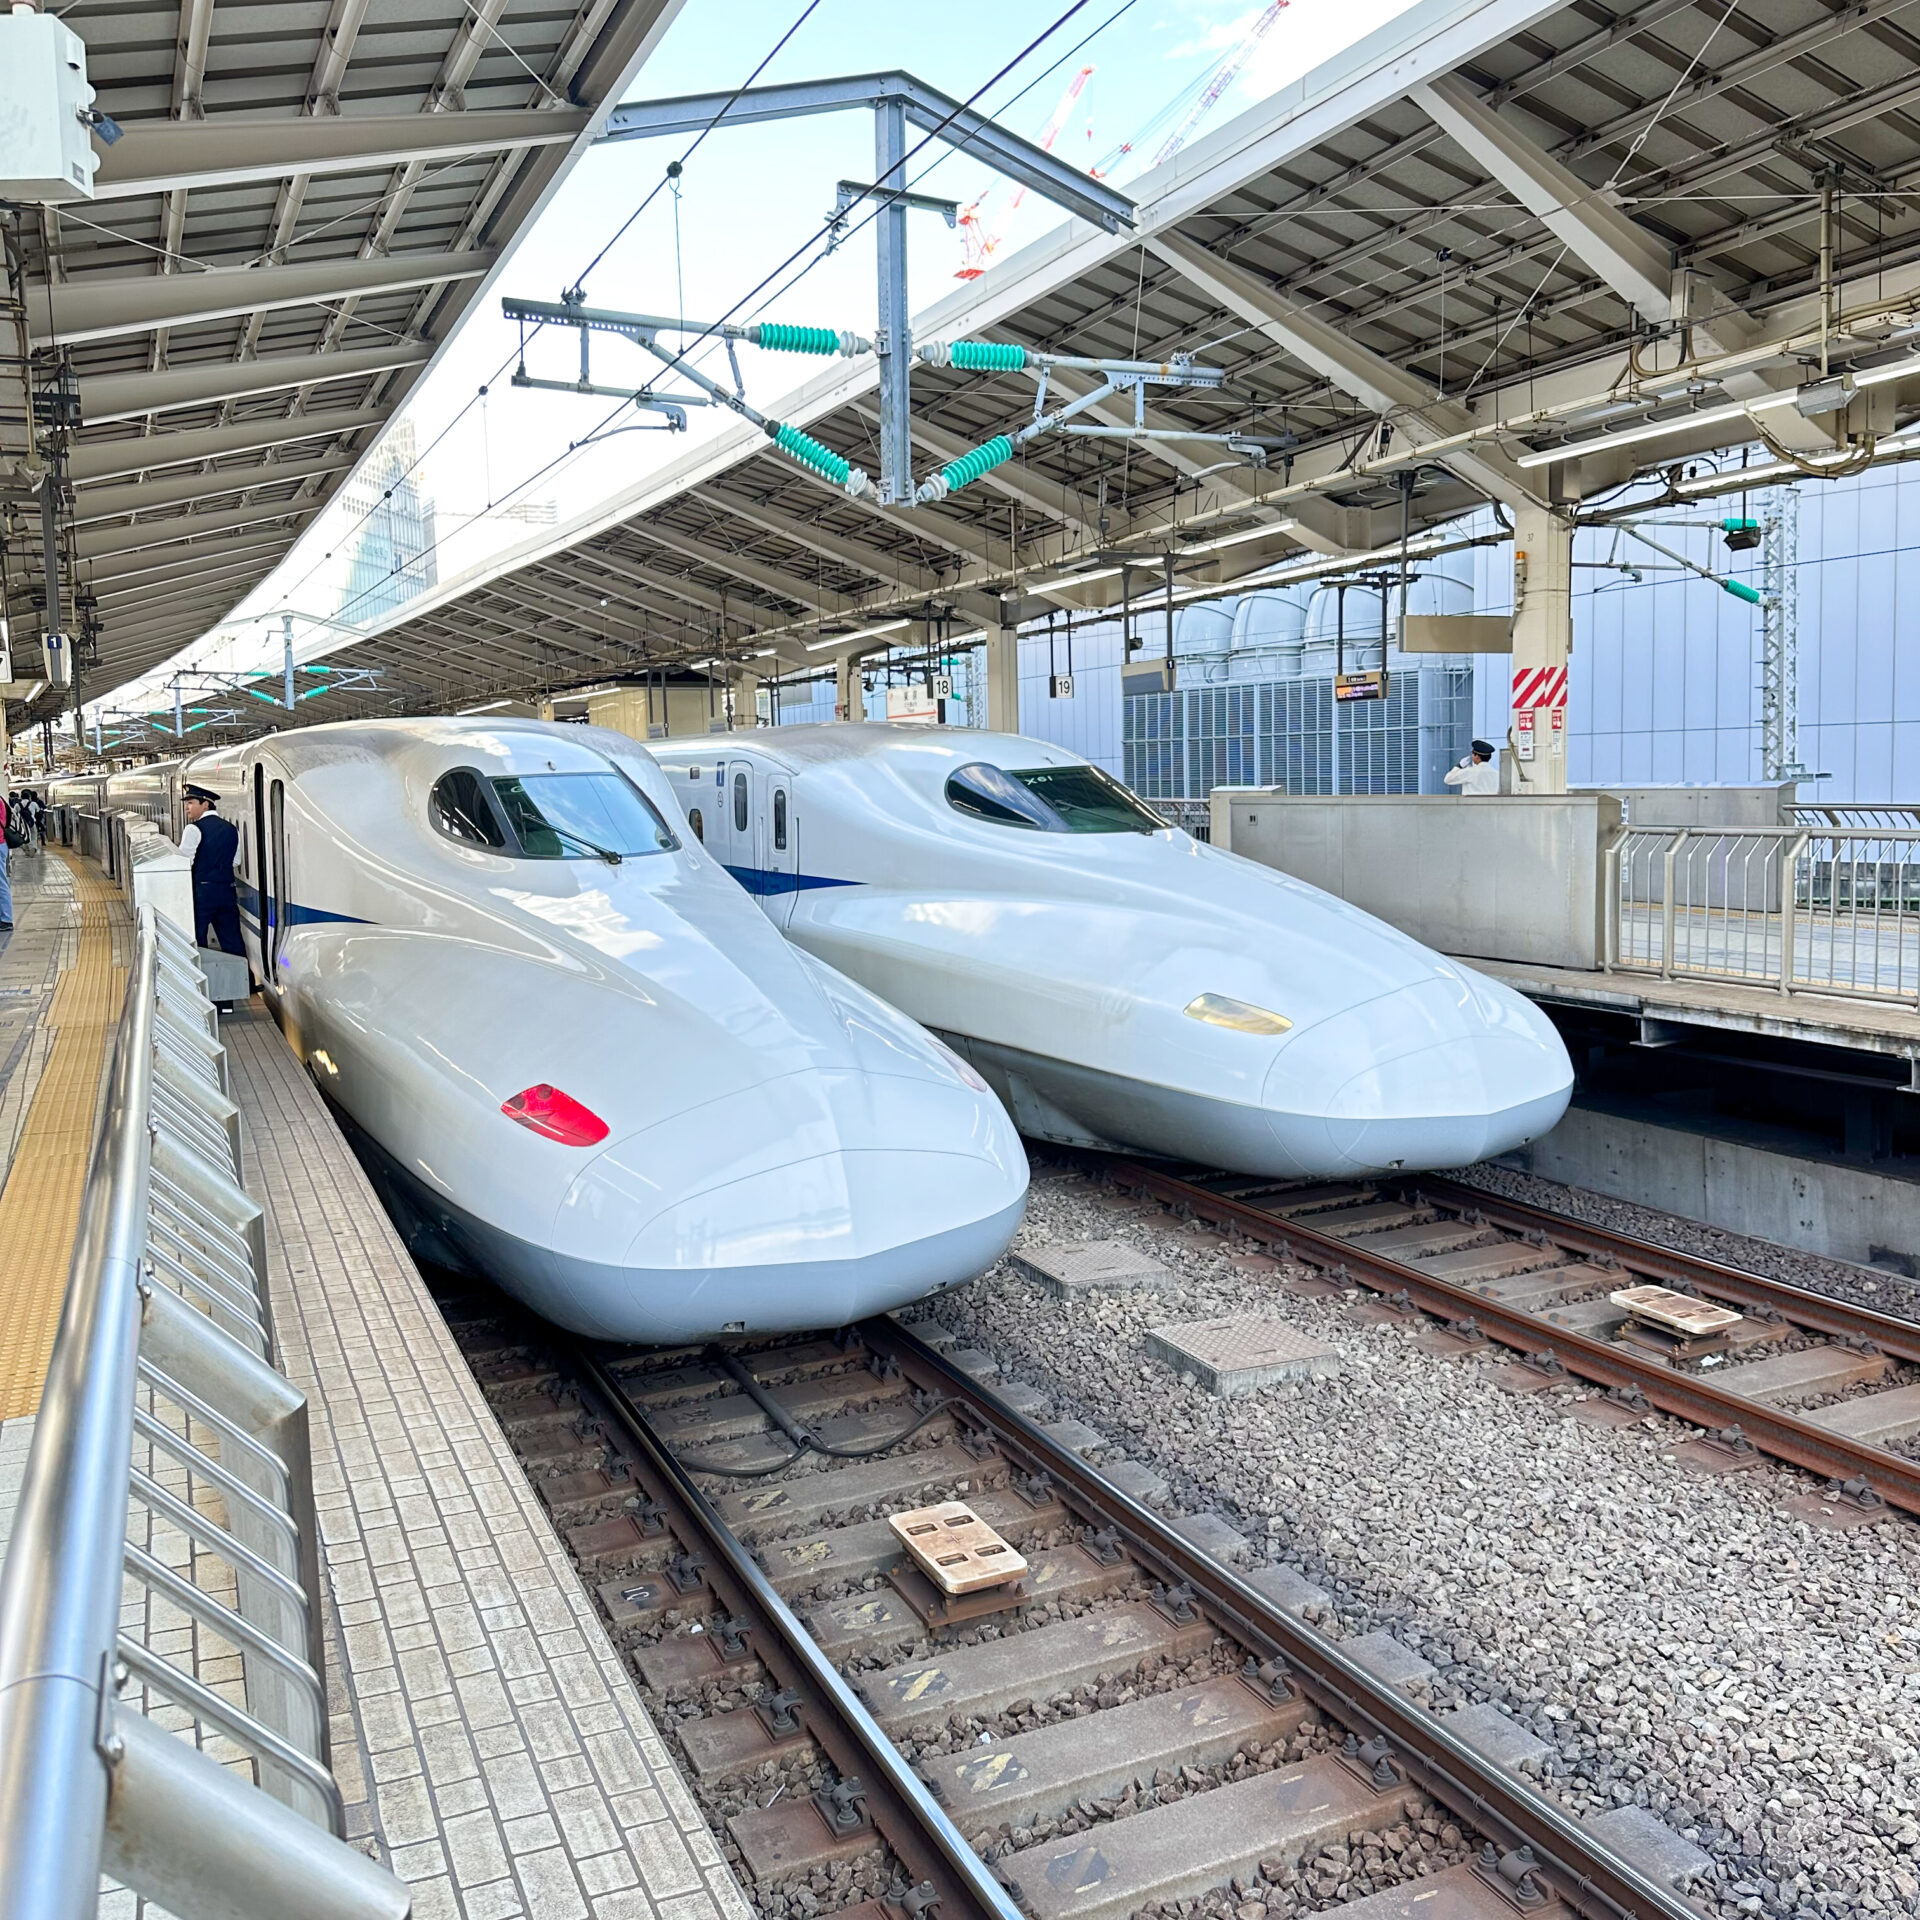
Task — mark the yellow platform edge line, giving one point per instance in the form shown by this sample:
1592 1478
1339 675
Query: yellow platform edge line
40 1203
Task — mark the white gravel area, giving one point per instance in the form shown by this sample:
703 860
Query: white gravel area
1860 1286
1684 1645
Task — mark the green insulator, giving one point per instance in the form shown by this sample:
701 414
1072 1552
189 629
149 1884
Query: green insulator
1741 591
810 453
978 460
987 356
784 339
1739 526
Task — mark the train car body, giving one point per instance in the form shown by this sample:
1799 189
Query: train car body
1118 983
605 1082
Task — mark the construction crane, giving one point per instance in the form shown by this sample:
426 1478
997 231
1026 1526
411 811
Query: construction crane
1211 92
978 240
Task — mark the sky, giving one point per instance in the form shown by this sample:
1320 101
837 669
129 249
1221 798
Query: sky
747 200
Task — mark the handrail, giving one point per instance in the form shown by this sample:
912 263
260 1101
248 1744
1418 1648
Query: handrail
1802 908
161 1262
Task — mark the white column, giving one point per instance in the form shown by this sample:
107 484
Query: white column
1003 679
848 703
1542 645
746 702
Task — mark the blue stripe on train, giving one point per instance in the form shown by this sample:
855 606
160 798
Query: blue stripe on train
768 882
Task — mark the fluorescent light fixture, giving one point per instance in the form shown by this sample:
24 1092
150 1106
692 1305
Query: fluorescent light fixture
1053 588
765 653
583 693
1271 530
1877 376
1656 430
865 633
492 706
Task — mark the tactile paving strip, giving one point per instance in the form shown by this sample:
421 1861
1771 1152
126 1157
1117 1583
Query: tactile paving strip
40 1204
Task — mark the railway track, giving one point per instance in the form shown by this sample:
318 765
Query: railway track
1130 1727
1486 1269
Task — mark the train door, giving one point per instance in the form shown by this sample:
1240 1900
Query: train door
263 927
742 857
780 852
275 889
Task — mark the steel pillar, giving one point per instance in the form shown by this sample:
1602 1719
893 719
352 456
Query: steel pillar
892 341
1780 637
1003 680
1542 643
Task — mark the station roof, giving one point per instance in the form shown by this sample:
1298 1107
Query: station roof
308 196
1501 250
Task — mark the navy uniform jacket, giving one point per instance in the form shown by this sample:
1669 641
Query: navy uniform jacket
213 857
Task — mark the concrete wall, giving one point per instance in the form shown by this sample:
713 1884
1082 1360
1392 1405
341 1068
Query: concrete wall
1490 877
1844 1212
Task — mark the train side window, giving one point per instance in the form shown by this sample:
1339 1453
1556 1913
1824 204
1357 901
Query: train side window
779 819
460 808
739 803
698 825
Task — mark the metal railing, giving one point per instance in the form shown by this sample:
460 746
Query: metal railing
1887 819
169 1487
1799 909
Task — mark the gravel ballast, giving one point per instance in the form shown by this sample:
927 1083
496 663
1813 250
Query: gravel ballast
1682 1645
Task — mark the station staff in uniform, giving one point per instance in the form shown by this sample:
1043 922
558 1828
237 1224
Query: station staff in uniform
1477 773
213 845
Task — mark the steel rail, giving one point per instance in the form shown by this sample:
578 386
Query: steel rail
919 1831
1586 1873
1687 1397
1819 1312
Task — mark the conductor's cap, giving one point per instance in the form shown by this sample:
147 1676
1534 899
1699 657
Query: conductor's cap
201 793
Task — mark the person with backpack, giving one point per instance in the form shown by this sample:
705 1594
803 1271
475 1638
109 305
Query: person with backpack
9 826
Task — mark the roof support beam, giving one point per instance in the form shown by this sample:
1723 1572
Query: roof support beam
187 526
116 459
158 156
894 569
112 306
106 397
756 573
113 503
1623 253
126 576
1320 344
628 567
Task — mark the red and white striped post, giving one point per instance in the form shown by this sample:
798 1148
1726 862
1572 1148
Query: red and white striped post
1542 642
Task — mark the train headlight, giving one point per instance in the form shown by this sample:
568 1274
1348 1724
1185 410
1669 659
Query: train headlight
545 1110
1218 1010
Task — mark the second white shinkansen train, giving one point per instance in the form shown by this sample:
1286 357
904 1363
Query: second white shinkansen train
578 1058
1118 983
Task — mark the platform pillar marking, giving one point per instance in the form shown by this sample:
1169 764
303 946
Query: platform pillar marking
40 1203
1542 644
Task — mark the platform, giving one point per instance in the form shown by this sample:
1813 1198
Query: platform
1827 1020
486 1737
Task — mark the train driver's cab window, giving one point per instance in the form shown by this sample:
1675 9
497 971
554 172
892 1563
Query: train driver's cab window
697 824
1050 800
550 816
580 816
462 809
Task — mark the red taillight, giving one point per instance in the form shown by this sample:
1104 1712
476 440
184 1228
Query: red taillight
559 1116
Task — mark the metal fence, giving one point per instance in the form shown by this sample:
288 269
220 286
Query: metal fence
1888 819
1288 734
1799 909
167 1506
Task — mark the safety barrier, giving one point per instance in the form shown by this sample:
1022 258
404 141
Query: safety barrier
169 1486
1807 909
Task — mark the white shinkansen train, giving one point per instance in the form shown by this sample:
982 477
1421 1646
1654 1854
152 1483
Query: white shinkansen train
582 1061
1119 984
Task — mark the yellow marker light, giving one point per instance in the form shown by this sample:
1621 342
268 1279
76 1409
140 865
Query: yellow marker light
1217 1010
322 1059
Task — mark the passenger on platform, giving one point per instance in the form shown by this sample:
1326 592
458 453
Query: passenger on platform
32 809
1477 773
213 845
6 885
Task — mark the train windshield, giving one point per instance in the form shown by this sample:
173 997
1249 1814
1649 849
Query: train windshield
1050 800
580 816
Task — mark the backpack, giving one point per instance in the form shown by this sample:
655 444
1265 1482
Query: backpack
16 827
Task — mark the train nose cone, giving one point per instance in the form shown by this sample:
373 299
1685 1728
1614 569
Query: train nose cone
805 1202
1443 1072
